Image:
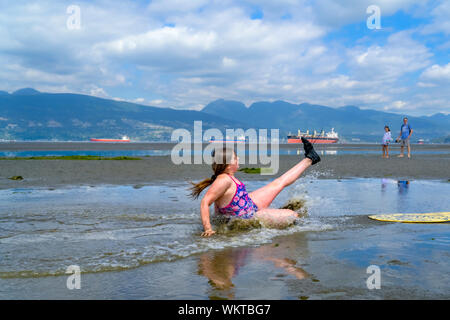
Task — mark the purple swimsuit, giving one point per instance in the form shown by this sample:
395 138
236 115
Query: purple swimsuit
241 205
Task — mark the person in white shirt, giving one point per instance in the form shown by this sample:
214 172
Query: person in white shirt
385 142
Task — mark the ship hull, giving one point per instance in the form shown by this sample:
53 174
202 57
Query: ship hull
297 139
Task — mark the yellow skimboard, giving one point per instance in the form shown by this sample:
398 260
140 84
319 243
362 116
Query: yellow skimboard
414 217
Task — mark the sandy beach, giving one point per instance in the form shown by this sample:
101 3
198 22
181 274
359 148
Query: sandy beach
134 232
430 162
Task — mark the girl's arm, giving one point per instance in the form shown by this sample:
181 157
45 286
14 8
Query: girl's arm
215 191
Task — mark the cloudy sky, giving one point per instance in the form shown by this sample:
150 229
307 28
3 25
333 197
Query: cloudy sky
186 53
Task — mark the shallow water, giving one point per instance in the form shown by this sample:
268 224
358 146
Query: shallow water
119 228
44 231
164 152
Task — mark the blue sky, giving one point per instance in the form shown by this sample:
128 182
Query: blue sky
185 54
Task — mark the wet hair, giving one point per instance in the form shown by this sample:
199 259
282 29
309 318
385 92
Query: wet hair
222 158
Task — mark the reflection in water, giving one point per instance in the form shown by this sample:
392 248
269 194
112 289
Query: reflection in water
384 183
321 152
402 199
220 267
403 186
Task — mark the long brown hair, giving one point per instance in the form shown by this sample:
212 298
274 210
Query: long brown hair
222 158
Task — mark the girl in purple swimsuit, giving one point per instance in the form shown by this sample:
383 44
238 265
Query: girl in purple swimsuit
230 197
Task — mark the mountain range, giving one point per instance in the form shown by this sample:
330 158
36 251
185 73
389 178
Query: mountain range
28 114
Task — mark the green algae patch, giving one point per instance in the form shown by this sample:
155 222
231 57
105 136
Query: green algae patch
251 170
396 262
16 178
257 170
71 158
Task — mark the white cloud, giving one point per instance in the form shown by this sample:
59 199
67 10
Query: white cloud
340 82
396 105
425 84
437 73
139 100
156 102
401 54
98 92
212 49
175 6
441 21
227 62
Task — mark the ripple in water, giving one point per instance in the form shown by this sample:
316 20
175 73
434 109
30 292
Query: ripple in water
104 233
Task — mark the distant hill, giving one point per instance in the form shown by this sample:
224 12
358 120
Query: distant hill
25 92
228 109
28 114
350 122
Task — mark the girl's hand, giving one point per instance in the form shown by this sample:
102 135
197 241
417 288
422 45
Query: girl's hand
208 233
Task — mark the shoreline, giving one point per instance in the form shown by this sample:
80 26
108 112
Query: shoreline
157 169
87 145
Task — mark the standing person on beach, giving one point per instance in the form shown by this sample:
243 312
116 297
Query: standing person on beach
405 134
230 197
385 142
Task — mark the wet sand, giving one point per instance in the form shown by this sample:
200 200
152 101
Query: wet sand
155 169
326 258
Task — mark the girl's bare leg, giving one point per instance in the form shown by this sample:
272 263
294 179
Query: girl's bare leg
264 196
276 218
